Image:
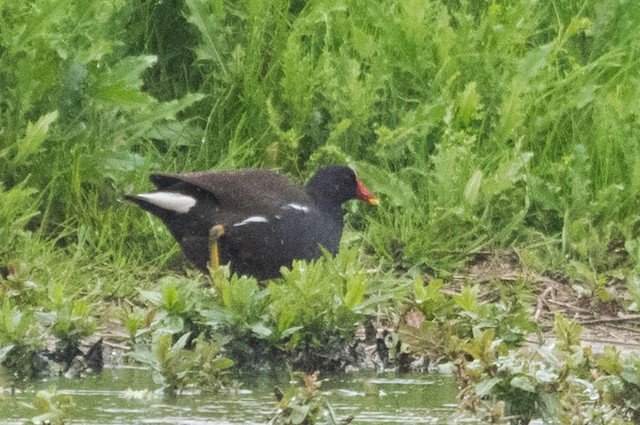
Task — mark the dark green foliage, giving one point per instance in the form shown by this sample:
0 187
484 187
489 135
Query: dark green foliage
20 342
480 125
25 330
52 408
305 404
74 115
69 321
560 382
176 368
307 319
439 326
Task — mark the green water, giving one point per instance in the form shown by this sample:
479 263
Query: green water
118 396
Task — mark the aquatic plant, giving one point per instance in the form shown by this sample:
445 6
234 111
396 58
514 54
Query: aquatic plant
53 408
305 404
176 368
481 125
20 341
560 381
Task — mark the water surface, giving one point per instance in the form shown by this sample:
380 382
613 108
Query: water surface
125 396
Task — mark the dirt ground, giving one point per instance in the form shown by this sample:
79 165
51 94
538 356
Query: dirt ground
603 323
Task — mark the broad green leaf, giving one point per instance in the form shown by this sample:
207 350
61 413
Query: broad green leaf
544 376
206 17
356 287
120 86
469 103
468 298
261 330
299 413
173 324
35 135
472 188
180 344
483 388
154 297
551 407
631 373
507 174
222 363
4 351
217 316
523 383
535 60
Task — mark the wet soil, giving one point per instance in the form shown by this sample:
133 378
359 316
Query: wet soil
601 315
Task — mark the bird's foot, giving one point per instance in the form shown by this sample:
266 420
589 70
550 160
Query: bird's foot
214 251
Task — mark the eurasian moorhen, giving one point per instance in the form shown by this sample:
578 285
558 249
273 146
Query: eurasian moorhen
256 220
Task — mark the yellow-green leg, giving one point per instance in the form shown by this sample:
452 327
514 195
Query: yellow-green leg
214 234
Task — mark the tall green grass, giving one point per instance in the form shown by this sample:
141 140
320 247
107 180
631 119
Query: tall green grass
480 124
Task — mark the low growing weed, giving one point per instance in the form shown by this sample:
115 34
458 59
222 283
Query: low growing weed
438 323
20 341
308 317
305 404
561 381
318 305
52 407
69 318
176 368
33 316
309 314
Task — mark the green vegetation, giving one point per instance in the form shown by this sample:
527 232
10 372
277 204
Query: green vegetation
481 126
560 382
304 405
21 341
52 408
305 319
175 368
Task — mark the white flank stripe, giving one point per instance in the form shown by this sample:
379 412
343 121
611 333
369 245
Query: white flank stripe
298 207
170 201
252 219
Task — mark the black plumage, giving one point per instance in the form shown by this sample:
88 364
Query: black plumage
268 221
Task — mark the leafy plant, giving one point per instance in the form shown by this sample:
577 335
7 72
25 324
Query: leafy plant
560 382
327 295
136 321
177 304
20 342
53 408
242 304
303 405
309 315
619 383
176 368
70 320
438 323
